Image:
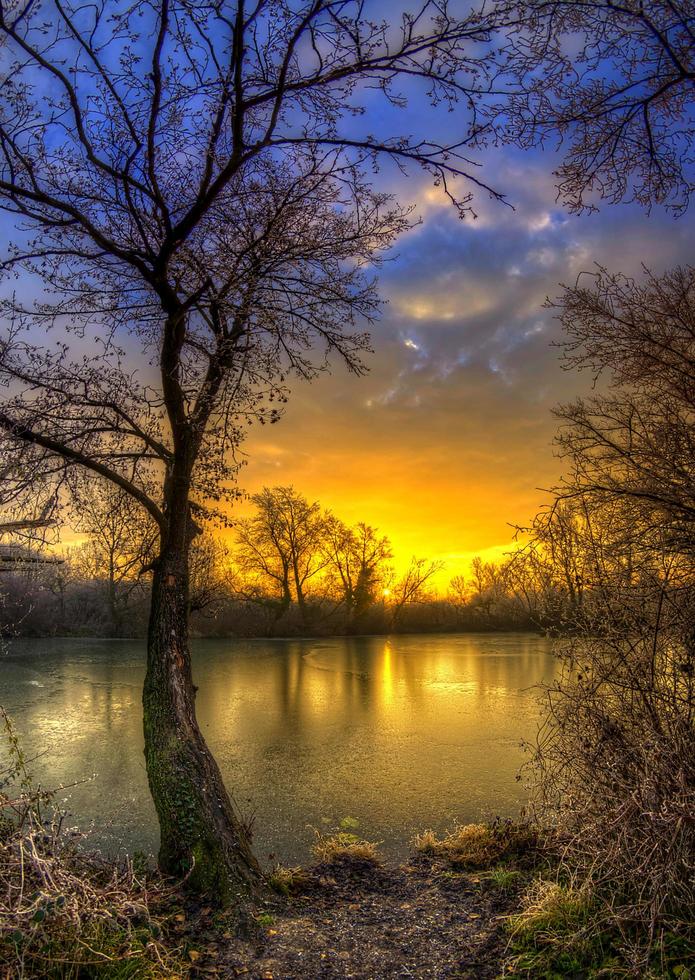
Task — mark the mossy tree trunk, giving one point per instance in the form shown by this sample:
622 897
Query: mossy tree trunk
202 836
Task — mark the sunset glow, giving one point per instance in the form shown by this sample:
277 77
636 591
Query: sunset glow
447 443
347 507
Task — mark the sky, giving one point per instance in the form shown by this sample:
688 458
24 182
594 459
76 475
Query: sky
447 443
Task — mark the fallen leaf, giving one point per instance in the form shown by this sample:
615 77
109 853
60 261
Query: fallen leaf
193 955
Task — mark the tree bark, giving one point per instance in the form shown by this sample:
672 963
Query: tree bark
201 834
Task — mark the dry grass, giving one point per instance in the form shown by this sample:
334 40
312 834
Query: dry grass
473 845
551 910
288 881
344 848
62 912
556 934
476 845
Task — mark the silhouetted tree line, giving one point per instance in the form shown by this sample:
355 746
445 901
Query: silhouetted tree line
294 568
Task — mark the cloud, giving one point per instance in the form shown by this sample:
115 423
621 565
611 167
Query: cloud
447 440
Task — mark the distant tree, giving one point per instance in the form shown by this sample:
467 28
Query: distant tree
185 181
356 559
458 596
615 80
261 571
281 546
209 574
121 542
410 587
59 579
488 584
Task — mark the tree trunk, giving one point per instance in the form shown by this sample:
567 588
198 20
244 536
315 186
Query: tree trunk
301 601
201 834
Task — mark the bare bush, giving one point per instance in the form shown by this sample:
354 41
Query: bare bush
60 907
616 758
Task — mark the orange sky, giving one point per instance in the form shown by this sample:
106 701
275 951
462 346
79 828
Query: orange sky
446 441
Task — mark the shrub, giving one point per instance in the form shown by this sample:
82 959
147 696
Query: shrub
616 771
65 913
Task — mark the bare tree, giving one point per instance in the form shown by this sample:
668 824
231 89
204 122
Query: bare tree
615 758
410 587
486 581
120 544
183 180
531 577
280 548
209 578
356 558
262 570
615 79
635 441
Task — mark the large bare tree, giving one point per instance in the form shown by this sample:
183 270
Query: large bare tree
190 184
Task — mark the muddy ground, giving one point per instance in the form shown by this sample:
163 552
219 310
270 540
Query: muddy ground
417 920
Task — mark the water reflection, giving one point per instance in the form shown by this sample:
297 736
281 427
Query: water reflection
397 732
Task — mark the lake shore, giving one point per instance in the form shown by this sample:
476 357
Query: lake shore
442 913
488 901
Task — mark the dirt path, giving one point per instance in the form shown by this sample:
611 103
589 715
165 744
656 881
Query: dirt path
414 921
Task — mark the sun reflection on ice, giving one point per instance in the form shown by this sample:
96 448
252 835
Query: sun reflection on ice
387 674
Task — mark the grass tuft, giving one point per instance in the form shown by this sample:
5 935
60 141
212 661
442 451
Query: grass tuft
346 849
477 845
556 934
551 911
288 881
503 879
